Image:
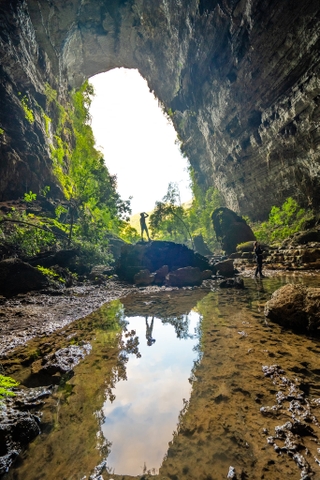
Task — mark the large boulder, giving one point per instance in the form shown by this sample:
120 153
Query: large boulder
225 268
17 276
144 278
154 255
230 229
183 277
296 307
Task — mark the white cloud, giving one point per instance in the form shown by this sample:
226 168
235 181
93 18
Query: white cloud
137 140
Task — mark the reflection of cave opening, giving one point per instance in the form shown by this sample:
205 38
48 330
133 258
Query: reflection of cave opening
144 410
138 140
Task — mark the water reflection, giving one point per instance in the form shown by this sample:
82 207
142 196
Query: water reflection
140 422
127 400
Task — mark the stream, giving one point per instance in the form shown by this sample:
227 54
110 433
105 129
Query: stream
181 384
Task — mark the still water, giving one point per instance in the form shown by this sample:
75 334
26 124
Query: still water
174 388
148 403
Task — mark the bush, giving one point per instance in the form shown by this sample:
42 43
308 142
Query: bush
283 222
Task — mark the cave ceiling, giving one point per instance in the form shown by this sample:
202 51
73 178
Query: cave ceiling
239 77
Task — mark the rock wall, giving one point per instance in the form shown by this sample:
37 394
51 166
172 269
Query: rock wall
239 78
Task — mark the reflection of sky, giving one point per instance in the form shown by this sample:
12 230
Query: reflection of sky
141 420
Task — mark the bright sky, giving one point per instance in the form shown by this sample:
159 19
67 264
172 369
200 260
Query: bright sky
137 140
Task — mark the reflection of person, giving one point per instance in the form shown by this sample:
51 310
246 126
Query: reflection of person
143 224
149 328
258 253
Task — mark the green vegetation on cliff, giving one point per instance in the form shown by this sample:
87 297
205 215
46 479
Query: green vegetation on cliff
283 222
92 207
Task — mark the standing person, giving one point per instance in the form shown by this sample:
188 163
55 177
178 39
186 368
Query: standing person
258 253
143 224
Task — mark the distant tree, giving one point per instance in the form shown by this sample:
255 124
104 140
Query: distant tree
168 220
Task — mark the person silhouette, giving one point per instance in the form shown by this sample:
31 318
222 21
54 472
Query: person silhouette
143 225
258 253
149 328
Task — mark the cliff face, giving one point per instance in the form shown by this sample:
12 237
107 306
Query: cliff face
240 79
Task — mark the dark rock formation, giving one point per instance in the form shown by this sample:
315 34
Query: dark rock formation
230 229
153 256
18 426
296 307
241 80
63 258
20 277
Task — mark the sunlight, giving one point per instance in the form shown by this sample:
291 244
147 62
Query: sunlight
137 140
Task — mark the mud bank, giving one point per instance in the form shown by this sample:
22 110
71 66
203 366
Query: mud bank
38 315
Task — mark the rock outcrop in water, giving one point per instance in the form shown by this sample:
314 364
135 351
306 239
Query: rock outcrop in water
240 80
296 307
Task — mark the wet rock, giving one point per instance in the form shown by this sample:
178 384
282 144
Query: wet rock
188 276
31 398
230 229
143 278
236 282
225 268
17 276
65 359
289 437
18 428
232 473
271 370
296 307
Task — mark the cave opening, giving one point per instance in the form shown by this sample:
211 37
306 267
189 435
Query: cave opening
137 138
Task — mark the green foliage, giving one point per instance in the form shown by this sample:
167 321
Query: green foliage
60 210
26 238
50 93
283 222
93 206
94 253
28 113
199 215
6 383
47 122
171 221
168 220
45 191
128 233
30 197
51 274
1 131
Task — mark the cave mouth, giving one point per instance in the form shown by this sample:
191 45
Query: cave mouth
137 138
